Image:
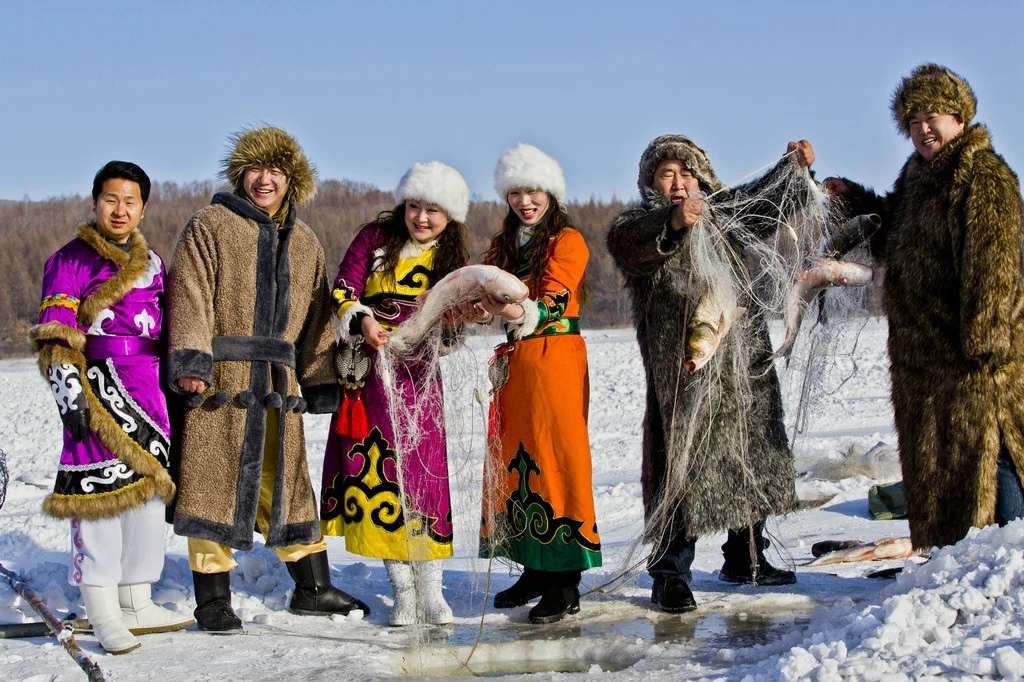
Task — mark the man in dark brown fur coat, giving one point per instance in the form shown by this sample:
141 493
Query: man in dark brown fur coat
250 324
715 451
951 241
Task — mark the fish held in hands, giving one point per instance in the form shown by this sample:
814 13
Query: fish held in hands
824 273
467 283
708 326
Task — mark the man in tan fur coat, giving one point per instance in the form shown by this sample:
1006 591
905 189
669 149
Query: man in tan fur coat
250 327
951 241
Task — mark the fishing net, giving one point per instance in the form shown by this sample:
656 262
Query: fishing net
744 261
747 252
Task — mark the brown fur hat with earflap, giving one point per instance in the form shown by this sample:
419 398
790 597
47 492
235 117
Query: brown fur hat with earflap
270 146
932 88
682 149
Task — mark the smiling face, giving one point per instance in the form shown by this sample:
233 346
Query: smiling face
930 131
424 221
674 181
266 187
529 205
119 209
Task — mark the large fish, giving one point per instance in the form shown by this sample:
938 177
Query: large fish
886 548
468 283
715 313
824 273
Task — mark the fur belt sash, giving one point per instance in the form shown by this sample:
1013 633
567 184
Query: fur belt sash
254 349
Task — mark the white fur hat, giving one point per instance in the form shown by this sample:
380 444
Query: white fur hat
436 183
526 166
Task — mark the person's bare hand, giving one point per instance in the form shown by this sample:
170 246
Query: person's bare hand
804 155
374 334
687 213
510 311
192 385
835 186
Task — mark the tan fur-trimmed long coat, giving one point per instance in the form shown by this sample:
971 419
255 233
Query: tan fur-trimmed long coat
249 313
951 239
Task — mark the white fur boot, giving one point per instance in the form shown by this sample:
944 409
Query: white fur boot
404 585
435 607
142 616
105 617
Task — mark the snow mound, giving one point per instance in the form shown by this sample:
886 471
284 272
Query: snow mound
958 616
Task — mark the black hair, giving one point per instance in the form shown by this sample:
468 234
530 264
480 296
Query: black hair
121 170
451 251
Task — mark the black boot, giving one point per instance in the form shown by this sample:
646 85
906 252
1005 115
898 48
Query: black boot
555 602
745 566
671 594
213 602
314 593
524 590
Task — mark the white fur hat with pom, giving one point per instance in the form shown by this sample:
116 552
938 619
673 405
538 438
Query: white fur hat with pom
436 183
526 166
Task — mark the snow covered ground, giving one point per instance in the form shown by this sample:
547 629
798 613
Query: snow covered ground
958 617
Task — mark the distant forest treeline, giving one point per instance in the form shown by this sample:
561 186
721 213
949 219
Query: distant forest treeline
33 230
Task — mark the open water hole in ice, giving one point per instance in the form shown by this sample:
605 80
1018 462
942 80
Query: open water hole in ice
518 648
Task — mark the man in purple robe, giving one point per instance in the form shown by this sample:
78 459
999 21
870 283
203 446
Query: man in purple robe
98 341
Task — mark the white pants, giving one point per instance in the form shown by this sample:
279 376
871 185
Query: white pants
120 550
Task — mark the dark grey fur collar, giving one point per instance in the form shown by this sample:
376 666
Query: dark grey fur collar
241 206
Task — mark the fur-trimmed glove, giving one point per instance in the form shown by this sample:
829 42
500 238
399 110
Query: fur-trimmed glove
66 384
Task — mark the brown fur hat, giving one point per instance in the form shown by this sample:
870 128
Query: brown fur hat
679 148
932 88
271 147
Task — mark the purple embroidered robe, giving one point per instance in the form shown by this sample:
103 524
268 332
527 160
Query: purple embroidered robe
115 346
385 509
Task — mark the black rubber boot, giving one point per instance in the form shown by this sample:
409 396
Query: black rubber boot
314 593
671 594
526 589
555 602
213 602
745 566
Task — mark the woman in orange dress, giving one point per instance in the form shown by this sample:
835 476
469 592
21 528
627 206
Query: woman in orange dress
538 502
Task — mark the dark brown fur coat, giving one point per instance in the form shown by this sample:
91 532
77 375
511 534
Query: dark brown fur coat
951 239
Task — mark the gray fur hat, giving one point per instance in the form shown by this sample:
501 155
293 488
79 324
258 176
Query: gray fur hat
270 146
436 183
679 148
932 88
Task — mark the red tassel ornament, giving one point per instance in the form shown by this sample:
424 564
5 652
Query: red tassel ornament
342 423
359 428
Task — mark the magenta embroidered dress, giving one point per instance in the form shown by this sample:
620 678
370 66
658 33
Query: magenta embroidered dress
361 497
115 345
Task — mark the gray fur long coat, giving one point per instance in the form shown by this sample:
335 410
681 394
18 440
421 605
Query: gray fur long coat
951 239
730 439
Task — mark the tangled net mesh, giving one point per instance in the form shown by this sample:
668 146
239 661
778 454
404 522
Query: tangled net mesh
750 246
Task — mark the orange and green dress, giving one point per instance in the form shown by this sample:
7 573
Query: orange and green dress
538 503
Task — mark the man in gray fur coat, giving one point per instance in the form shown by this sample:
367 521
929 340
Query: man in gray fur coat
715 451
951 238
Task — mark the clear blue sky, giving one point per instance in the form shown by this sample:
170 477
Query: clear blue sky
368 88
